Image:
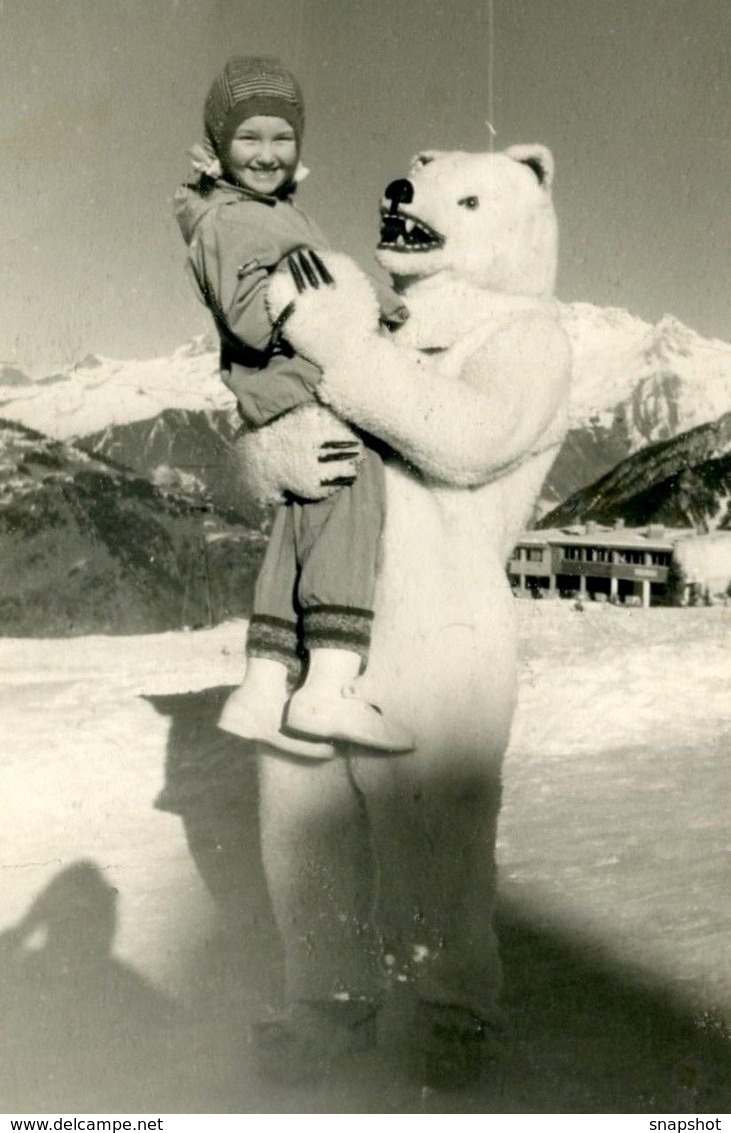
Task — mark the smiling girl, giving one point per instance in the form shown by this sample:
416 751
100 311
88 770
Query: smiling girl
314 595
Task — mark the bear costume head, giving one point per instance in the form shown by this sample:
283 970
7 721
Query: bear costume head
487 218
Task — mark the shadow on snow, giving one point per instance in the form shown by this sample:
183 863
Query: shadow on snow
81 1031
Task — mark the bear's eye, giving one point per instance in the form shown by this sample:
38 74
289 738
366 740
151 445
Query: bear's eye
469 202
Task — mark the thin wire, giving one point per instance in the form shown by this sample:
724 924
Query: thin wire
490 72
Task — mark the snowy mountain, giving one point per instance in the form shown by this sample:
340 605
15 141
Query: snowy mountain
89 547
172 418
681 482
634 384
667 377
99 393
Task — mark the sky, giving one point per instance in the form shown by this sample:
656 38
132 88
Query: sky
100 99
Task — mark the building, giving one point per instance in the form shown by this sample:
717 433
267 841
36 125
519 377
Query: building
618 564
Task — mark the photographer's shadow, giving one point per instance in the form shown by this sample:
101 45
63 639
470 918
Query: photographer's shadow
80 1028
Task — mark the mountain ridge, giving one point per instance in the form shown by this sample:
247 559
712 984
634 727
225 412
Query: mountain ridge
682 481
172 420
90 547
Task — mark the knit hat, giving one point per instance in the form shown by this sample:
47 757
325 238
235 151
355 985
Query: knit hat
248 86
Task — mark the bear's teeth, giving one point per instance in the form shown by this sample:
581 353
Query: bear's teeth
400 241
408 224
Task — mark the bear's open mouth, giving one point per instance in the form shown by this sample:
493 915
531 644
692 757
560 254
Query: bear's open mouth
401 233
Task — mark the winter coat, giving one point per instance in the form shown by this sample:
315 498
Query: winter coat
235 239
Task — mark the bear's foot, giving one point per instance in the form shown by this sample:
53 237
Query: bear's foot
454 1046
302 1045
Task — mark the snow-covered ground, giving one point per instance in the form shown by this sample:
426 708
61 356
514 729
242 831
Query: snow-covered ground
614 835
617 786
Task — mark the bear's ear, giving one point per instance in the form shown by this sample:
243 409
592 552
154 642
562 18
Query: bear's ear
538 158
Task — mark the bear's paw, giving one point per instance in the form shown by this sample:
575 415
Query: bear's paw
308 453
321 312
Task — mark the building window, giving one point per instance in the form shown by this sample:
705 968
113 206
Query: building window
574 553
534 554
660 558
637 557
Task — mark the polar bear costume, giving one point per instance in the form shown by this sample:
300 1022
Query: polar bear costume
385 864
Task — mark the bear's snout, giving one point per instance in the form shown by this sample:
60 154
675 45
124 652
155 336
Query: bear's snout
400 192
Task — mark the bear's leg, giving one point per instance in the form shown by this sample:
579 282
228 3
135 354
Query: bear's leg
317 859
435 825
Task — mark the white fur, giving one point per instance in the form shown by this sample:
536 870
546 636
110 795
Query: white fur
283 456
327 316
508 358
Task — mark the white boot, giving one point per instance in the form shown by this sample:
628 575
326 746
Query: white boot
327 708
254 710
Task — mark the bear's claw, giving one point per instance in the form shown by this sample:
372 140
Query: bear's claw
305 264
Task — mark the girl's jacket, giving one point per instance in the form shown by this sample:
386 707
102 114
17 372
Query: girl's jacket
235 240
